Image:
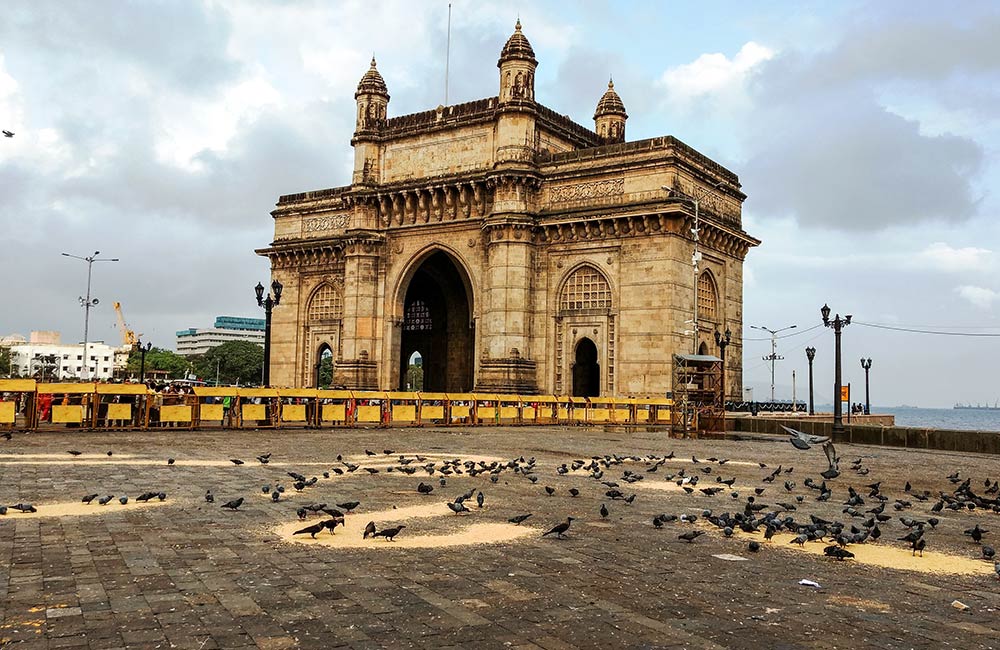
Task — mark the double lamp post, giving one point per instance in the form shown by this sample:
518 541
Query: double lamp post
268 303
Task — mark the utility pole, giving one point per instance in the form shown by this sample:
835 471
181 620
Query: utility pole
87 303
774 356
794 408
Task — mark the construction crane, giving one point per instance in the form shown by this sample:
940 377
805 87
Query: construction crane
129 337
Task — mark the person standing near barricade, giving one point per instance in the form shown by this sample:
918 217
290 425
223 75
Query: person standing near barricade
45 406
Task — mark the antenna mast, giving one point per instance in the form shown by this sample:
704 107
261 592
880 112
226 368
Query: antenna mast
447 57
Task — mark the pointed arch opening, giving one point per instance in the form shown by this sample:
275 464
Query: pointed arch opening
326 304
586 370
585 289
708 297
324 367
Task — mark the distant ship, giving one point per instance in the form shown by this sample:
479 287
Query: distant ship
979 407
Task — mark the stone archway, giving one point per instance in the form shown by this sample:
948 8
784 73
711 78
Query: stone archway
437 323
323 370
586 370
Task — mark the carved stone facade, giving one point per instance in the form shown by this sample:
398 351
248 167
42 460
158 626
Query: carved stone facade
512 248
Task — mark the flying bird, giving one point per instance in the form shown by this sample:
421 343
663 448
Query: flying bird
8 134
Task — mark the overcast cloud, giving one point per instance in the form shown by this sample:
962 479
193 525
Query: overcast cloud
866 136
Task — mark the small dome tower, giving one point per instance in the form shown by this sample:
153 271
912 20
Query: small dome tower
517 68
373 100
610 116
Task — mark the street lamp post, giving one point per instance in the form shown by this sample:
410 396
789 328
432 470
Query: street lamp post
142 349
811 354
723 341
87 303
774 356
867 365
837 324
696 255
268 303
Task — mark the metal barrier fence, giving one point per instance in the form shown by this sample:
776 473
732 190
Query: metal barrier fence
28 405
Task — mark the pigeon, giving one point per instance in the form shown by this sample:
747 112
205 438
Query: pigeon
369 530
480 499
106 500
918 546
3 510
236 461
458 507
604 511
550 490
691 535
25 507
74 452
109 452
234 504
988 552
423 488
6 435
574 492
123 500
162 496
559 530
301 512
88 498
835 551
370 453
349 506
976 533
275 496
753 546
517 519
312 530
170 461
389 533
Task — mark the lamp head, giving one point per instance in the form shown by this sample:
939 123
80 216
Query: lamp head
847 319
259 290
826 314
729 335
811 353
276 288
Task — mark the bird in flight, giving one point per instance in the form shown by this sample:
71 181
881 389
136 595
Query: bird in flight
8 134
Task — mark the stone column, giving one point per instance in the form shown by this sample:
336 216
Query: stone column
362 317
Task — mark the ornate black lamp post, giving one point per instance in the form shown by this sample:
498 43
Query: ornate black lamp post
723 341
268 303
837 324
811 354
867 365
142 350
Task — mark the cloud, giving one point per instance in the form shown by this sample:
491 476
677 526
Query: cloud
713 75
979 296
943 257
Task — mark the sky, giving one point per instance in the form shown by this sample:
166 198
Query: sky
865 134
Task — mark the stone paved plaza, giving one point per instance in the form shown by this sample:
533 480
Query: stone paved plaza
188 574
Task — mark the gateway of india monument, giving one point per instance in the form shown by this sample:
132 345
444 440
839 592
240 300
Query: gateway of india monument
515 250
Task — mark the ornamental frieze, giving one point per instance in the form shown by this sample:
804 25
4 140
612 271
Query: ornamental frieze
322 224
589 190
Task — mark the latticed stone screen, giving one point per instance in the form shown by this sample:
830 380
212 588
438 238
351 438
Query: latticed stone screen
326 304
418 317
586 288
707 296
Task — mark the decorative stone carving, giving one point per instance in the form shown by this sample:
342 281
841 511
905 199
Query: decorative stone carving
589 190
322 224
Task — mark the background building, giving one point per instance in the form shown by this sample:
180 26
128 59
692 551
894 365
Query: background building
195 341
515 250
44 357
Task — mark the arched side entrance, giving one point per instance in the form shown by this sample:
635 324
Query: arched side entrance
323 371
437 323
703 348
586 370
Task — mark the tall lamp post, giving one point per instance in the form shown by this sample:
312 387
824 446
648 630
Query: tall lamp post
811 354
774 356
268 304
87 303
837 324
723 341
675 195
867 365
142 350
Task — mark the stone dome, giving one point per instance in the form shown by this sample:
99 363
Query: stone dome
372 83
611 103
517 47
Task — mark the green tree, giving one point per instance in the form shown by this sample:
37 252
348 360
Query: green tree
5 363
159 359
326 371
233 361
415 377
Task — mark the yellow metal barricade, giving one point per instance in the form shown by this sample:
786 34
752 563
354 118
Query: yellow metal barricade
258 408
17 396
65 403
370 407
485 408
298 406
403 408
564 409
509 409
461 408
433 408
662 409
539 409
336 407
624 408
170 410
578 409
599 409
121 406
216 406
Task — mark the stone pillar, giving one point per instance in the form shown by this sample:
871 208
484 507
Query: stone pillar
362 316
285 354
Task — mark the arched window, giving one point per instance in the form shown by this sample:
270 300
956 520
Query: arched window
708 297
586 288
326 304
418 317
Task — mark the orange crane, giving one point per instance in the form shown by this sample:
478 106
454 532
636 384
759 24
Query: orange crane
129 337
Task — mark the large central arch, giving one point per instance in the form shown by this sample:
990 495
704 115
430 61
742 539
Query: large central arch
437 323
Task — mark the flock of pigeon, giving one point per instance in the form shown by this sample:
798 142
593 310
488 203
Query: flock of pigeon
868 513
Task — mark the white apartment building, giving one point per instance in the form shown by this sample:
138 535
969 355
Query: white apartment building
194 341
56 361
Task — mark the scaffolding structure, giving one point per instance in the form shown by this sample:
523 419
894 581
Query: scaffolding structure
698 399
